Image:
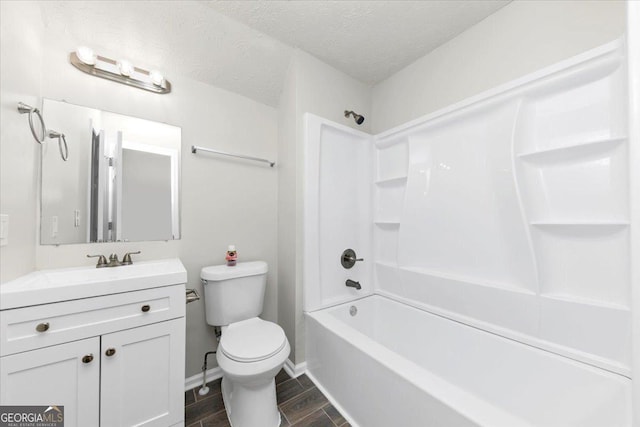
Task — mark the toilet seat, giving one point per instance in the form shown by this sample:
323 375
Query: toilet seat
252 340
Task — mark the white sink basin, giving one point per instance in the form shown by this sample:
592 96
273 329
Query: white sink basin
47 286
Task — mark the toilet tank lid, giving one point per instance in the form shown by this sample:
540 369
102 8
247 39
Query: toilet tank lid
241 269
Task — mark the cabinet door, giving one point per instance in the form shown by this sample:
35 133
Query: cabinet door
143 376
56 375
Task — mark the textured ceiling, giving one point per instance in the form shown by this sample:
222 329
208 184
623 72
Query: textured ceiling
369 40
246 46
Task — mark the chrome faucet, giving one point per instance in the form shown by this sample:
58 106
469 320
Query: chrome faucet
353 284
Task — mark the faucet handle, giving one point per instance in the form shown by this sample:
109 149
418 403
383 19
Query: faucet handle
349 258
102 261
126 260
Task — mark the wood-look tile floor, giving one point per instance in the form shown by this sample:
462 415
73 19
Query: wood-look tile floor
300 402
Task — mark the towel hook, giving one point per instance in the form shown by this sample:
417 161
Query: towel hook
27 109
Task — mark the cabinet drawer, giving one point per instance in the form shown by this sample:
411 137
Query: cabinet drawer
44 325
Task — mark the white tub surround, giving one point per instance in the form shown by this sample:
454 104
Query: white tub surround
515 215
633 71
110 343
337 212
508 212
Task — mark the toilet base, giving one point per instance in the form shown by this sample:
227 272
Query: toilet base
251 404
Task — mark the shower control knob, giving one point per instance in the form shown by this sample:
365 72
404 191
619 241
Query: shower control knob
349 258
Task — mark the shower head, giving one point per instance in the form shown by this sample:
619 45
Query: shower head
357 117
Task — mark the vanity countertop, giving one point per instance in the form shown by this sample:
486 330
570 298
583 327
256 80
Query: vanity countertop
48 286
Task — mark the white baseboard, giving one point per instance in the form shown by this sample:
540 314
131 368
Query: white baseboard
295 371
196 380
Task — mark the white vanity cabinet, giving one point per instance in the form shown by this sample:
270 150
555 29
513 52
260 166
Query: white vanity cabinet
142 383
112 360
56 375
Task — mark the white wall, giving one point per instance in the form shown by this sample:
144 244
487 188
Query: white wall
520 38
224 201
315 87
20 71
287 182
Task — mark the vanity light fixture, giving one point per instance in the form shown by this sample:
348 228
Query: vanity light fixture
156 77
125 67
121 71
86 55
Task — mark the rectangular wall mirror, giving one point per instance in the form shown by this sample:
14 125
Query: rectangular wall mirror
121 181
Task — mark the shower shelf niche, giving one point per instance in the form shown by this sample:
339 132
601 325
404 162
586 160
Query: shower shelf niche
386 242
581 184
586 261
568 152
390 181
392 162
389 199
583 108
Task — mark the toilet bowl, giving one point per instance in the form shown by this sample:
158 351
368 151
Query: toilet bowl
250 354
251 350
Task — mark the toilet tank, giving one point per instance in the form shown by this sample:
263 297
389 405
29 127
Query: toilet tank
232 294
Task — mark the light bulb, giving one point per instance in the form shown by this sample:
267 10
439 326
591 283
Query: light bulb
125 67
156 77
86 55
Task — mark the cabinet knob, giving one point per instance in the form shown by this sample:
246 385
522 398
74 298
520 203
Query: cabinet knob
145 308
42 327
110 352
87 358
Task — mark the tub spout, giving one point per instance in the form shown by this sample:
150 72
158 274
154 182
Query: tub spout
353 284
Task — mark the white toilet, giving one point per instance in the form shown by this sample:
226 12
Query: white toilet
251 350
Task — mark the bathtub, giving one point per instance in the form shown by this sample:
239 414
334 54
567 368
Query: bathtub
394 365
